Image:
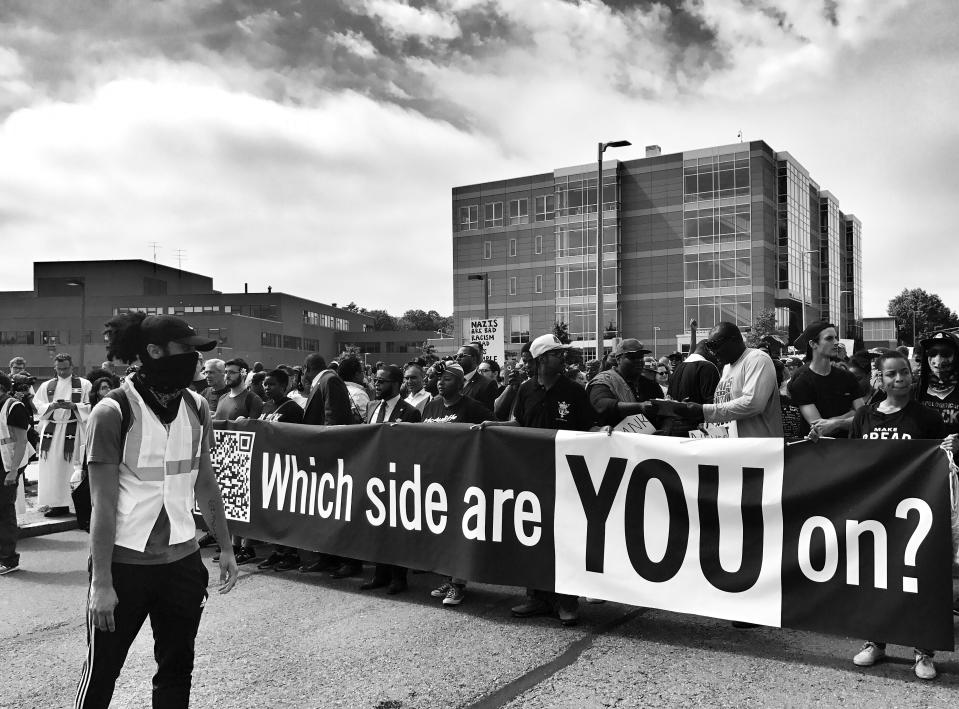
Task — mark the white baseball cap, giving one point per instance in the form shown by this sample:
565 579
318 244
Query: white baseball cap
545 343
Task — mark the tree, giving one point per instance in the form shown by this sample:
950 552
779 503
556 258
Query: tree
382 320
764 326
420 320
930 313
428 352
561 330
354 308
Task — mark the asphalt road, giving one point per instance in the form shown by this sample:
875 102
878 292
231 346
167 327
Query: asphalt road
289 640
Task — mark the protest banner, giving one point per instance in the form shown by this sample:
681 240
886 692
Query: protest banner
848 537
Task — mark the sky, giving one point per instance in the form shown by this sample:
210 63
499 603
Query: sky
312 145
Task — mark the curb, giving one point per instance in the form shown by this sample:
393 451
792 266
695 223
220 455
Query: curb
37 529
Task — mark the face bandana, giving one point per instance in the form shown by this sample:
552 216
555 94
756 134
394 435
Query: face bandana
170 374
942 382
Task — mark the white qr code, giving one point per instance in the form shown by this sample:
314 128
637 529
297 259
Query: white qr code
232 454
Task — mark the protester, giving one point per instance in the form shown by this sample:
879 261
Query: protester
413 380
621 391
938 376
14 456
827 396
747 396
146 562
662 377
351 372
898 417
63 405
491 370
240 402
555 402
477 386
295 387
215 372
389 407
695 380
515 376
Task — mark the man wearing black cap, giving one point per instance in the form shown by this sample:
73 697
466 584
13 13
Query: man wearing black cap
938 376
623 391
828 396
149 459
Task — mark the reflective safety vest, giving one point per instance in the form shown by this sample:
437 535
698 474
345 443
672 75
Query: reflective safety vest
7 443
158 469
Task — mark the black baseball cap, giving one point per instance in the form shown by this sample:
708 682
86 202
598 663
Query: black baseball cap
160 329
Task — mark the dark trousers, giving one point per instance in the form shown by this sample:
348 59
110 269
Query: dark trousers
8 522
173 596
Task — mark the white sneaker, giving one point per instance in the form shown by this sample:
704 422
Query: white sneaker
924 667
869 655
4 569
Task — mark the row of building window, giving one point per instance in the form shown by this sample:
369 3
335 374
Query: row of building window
46 337
334 323
511 285
511 247
289 342
263 312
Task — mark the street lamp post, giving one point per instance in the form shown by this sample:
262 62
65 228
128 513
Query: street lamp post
803 276
656 330
81 284
600 325
485 278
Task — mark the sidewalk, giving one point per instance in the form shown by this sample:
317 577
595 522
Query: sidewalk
33 523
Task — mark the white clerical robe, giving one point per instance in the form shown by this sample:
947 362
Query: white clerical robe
53 487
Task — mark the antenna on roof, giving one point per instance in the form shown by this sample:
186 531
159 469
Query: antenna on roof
180 258
740 136
155 245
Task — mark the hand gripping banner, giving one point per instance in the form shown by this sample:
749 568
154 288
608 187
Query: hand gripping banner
845 537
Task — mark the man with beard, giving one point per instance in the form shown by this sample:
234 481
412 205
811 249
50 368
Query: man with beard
63 404
552 401
239 402
828 396
149 456
747 396
477 386
623 390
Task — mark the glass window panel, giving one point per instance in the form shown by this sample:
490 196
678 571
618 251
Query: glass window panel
705 182
742 177
726 180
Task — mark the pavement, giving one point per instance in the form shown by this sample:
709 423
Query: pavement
291 640
33 523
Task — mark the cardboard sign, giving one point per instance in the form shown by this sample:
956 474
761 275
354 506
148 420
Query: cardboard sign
489 332
637 423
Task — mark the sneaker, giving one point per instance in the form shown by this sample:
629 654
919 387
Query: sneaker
245 556
288 563
454 596
869 655
441 591
8 568
924 667
270 561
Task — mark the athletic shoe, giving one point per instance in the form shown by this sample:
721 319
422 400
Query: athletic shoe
441 591
924 667
869 655
454 596
287 563
270 561
245 556
8 568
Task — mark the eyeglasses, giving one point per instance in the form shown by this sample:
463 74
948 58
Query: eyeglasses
662 373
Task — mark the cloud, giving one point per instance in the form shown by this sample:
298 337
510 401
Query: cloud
402 20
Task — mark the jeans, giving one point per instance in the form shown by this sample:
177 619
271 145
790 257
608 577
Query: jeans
172 596
8 523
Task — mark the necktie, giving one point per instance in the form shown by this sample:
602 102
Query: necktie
381 414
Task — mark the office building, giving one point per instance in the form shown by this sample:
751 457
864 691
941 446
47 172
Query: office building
709 235
72 300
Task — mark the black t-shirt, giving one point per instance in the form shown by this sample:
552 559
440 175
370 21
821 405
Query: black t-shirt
911 421
287 411
563 406
466 410
17 417
947 408
833 394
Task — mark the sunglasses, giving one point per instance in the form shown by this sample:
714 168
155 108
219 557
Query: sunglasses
713 345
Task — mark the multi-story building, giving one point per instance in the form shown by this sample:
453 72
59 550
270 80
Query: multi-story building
71 301
709 235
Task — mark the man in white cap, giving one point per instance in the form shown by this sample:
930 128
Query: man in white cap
550 400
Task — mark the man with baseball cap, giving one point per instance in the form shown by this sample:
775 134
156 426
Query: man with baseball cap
149 459
623 390
550 400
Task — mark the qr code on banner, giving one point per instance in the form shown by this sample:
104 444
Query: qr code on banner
232 453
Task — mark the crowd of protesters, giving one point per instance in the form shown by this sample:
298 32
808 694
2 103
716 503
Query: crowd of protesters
722 388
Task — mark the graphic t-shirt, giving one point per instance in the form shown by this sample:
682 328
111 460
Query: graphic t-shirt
564 405
911 421
947 408
466 410
832 394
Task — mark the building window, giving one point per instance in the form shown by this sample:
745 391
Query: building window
270 339
489 286
539 284
512 247
538 243
292 343
487 249
16 337
545 207
311 345
311 318
519 211
219 334
512 285
518 329
51 337
468 217
494 214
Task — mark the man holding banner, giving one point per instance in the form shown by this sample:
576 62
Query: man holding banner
623 391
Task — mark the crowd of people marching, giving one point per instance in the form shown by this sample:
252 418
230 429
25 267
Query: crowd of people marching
723 388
